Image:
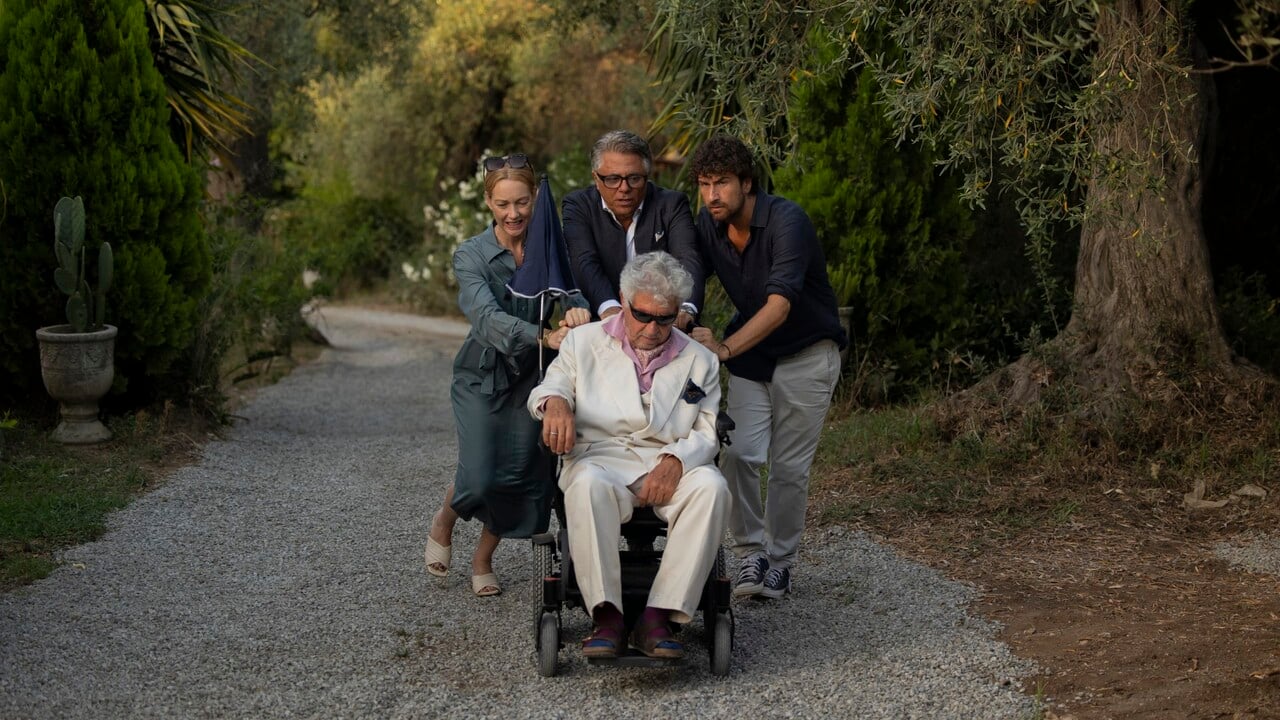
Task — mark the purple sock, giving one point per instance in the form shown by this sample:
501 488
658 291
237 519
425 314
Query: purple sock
652 617
606 615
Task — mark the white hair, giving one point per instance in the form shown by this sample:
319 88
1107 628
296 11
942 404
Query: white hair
658 274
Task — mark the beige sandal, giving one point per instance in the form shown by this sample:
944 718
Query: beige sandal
485 585
438 557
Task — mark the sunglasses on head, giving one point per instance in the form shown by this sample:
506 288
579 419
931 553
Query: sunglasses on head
647 318
615 181
514 161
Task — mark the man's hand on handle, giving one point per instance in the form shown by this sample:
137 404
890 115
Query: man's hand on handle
573 317
707 339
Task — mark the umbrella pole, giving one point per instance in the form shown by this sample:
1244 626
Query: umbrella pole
542 319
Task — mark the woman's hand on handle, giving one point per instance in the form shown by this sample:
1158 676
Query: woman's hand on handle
555 337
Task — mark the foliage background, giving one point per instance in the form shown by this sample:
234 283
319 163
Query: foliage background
892 227
82 112
367 119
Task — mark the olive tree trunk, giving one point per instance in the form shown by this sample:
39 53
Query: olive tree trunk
1144 296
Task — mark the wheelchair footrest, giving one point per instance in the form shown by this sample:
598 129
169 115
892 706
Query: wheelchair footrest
635 658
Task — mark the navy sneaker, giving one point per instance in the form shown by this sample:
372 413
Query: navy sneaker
751 575
777 582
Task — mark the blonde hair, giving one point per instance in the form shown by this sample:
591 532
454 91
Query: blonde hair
524 175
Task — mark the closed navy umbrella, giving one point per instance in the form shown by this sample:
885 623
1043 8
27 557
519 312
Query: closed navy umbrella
545 270
546 262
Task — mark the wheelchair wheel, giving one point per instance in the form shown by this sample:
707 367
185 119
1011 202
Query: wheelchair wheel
721 643
546 560
548 643
722 565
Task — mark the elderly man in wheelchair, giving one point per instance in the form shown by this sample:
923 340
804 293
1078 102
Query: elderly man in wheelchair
631 404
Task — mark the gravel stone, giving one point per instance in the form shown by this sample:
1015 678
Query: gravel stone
1256 552
282 576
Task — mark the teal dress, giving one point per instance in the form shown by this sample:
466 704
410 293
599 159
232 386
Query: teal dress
504 475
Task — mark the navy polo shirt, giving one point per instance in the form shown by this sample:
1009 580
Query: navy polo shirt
782 257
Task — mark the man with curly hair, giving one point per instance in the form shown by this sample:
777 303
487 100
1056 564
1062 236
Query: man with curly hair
782 349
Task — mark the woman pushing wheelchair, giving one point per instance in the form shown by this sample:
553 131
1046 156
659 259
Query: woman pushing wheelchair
503 477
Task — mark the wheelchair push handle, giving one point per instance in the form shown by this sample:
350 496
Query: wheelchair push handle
724 426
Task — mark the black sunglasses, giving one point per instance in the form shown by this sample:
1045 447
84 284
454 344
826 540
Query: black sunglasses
647 318
614 181
515 162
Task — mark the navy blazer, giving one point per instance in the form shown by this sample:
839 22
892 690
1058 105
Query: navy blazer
598 244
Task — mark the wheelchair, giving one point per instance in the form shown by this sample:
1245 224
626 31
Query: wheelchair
639 564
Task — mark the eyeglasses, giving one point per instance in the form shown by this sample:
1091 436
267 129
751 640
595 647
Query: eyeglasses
646 318
614 181
515 162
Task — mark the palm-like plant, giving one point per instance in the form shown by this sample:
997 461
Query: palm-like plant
198 62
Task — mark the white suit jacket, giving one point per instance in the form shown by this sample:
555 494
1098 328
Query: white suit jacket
599 380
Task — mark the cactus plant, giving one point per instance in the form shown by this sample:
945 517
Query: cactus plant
83 303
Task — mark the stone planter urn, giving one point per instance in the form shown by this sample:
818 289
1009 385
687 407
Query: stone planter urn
845 313
78 368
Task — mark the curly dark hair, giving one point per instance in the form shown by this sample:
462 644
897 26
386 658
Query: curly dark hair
723 155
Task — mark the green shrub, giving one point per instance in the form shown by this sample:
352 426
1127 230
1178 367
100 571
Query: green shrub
424 280
571 170
892 228
1250 317
253 307
83 112
352 243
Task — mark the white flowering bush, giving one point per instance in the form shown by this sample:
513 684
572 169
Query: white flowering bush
569 171
425 281
460 215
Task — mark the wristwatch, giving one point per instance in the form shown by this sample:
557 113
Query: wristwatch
693 315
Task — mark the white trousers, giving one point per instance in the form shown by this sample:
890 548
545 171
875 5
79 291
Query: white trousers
597 502
779 421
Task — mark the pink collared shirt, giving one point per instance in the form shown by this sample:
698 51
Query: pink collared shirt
646 362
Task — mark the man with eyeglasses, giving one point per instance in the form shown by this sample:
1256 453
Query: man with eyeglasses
782 350
631 405
622 215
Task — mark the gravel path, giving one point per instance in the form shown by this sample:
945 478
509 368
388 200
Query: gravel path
1255 552
282 577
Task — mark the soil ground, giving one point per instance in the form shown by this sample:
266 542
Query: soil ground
1125 608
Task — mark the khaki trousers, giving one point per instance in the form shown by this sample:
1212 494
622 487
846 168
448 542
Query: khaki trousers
597 502
779 421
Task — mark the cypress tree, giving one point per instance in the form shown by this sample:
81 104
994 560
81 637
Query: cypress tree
83 112
892 229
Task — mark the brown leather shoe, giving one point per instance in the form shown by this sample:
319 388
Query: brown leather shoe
605 641
656 641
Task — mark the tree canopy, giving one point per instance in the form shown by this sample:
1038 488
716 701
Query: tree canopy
1080 112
